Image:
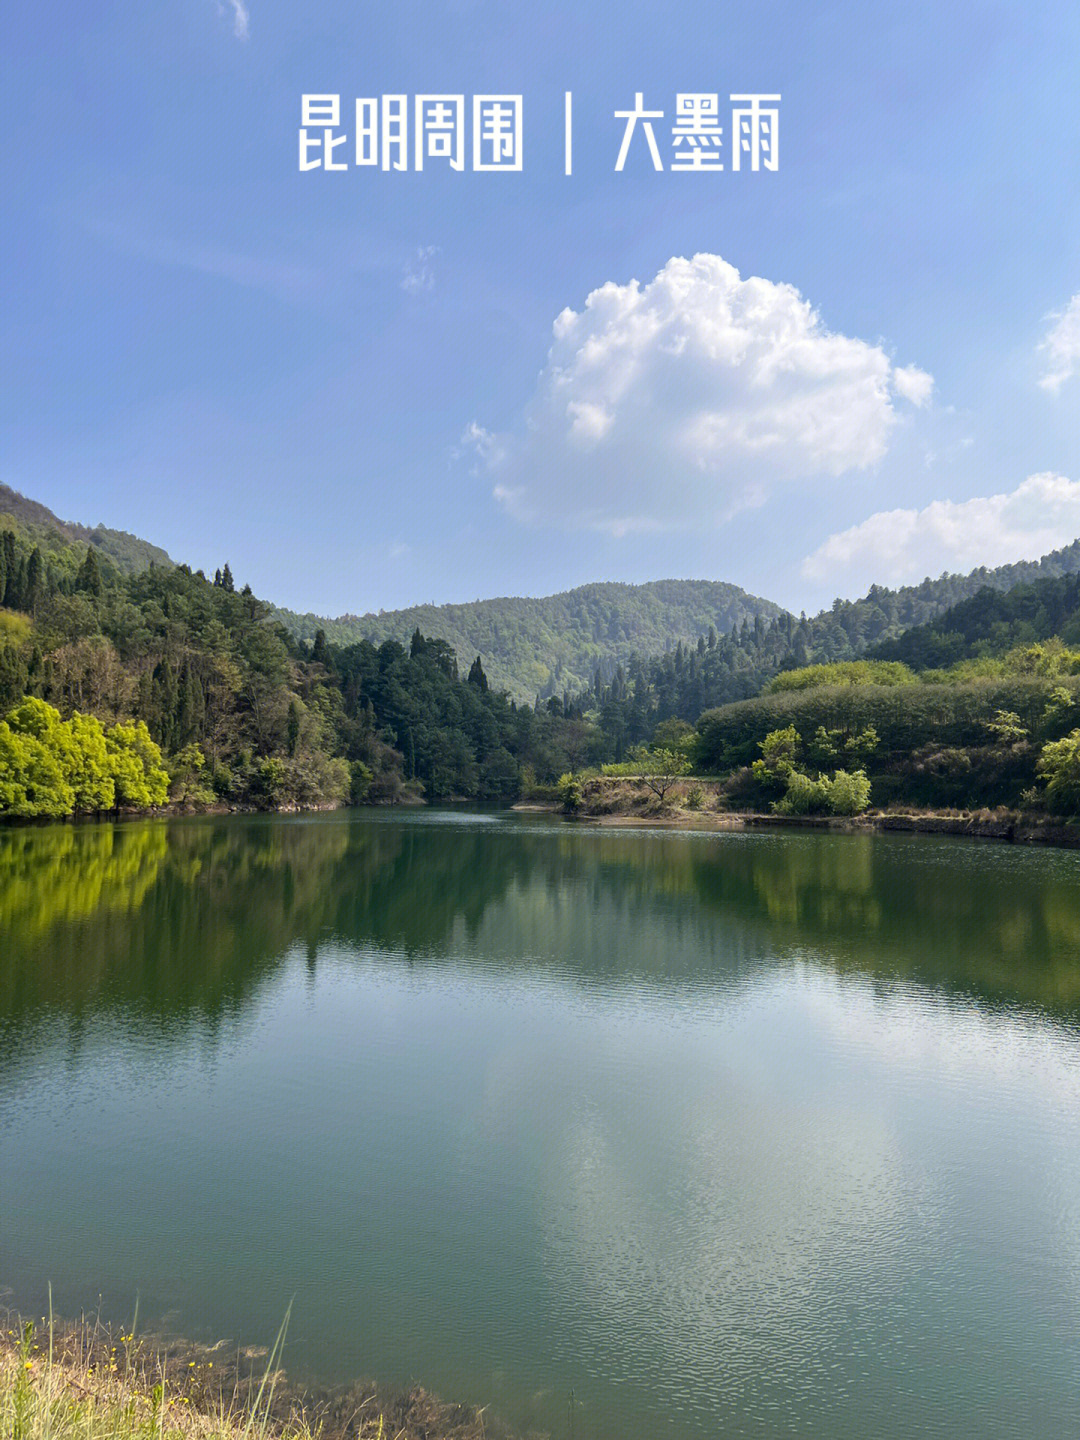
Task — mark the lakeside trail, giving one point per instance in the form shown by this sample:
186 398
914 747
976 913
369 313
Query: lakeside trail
90 1381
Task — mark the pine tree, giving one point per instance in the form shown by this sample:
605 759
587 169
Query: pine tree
34 584
320 651
476 674
227 580
89 576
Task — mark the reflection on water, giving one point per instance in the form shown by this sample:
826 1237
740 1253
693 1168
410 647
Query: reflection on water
730 1133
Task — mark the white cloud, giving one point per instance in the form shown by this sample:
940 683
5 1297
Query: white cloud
901 546
684 400
1062 347
419 274
240 17
913 384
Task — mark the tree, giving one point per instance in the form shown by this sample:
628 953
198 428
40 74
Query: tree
1007 727
779 750
1059 766
140 777
34 584
90 775
477 676
89 576
7 570
661 769
31 781
320 651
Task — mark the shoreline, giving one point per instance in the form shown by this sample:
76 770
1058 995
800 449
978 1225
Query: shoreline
107 1383
1012 827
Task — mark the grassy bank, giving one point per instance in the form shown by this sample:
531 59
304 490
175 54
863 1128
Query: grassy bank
87 1381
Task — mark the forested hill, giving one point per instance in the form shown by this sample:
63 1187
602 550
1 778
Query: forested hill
736 665
38 523
990 624
552 645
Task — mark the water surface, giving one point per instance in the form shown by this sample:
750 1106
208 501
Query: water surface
730 1134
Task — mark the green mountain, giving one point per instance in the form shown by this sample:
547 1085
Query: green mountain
40 526
550 645
990 624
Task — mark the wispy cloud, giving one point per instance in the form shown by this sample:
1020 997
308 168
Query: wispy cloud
418 277
1062 347
240 17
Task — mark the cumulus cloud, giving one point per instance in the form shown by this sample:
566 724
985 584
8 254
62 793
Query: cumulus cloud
689 398
419 274
1062 347
901 546
240 17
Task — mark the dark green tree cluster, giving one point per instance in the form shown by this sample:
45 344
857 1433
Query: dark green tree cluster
244 712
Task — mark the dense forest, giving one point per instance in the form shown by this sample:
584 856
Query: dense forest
238 711
128 683
569 642
552 645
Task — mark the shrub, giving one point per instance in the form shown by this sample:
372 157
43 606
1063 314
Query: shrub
1059 766
570 792
849 792
803 796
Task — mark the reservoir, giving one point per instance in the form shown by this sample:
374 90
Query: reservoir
747 1134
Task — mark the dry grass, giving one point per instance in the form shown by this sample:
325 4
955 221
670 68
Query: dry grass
87 1381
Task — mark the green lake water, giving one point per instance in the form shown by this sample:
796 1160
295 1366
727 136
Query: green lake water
730 1134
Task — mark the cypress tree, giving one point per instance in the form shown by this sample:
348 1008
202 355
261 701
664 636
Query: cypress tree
476 674
227 580
89 576
13 592
320 652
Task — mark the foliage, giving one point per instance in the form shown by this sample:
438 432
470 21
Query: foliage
553 646
779 751
1007 727
1059 767
54 767
846 672
569 790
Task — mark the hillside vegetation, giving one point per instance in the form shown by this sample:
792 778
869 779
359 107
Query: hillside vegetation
127 552
134 687
556 644
568 643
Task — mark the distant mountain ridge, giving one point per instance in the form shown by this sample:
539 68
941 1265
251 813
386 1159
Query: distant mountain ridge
555 643
558 643
127 552
545 646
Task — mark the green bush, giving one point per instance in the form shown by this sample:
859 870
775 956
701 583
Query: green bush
570 792
1059 766
847 793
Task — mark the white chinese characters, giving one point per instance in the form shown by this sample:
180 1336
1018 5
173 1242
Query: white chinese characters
396 132
697 135
484 132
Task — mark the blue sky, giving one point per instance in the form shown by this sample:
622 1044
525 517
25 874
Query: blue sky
349 384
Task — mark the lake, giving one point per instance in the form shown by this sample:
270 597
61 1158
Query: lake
749 1134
